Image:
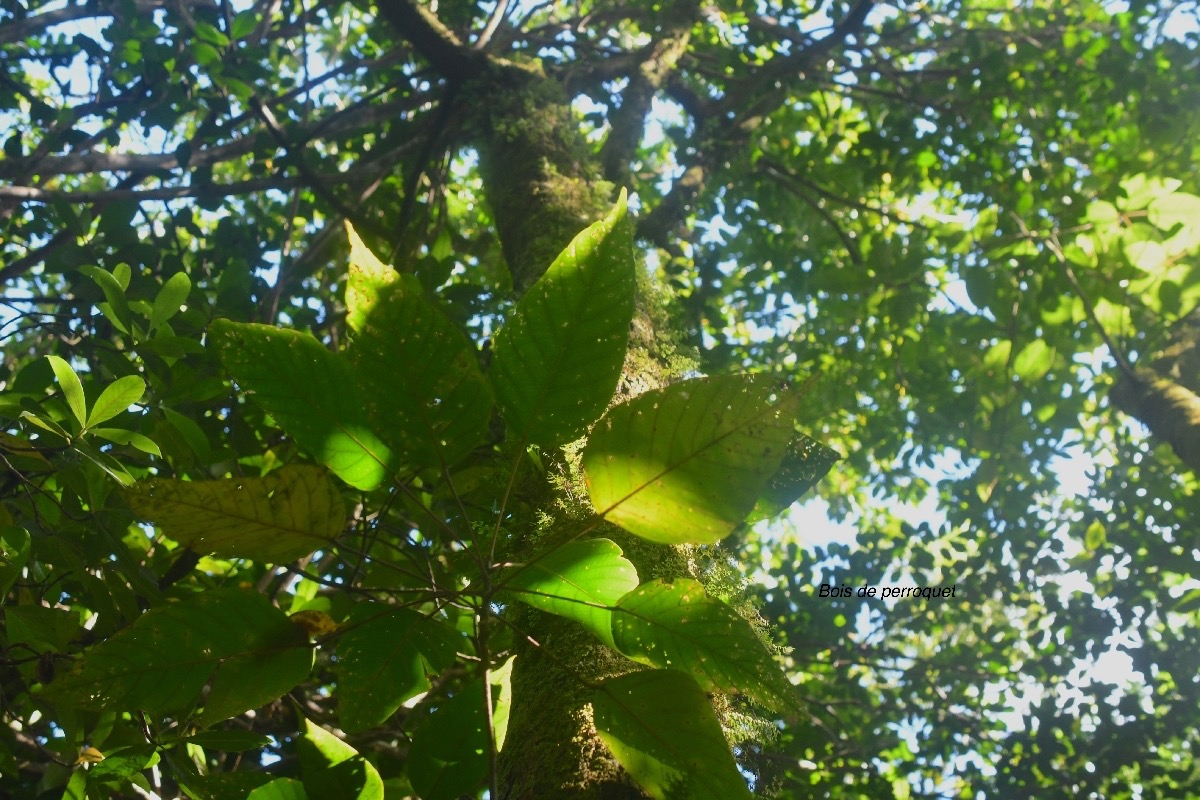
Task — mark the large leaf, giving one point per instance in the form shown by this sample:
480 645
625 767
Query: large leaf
448 757
278 518
234 639
420 376
310 392
558 358
580 580
687 463
333 770
663 731
385 657
676 624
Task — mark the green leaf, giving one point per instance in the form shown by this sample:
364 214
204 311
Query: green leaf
1034 361
663 731
386 657
448 756
420 376
118 766
116 398
333 770
311 394
113 468
279 789
687 463
188 430
71 387
114 293
245 23
558 359
229 741
119 436
170 298
367 277
233 639
277 518
581 581
675 624
806 462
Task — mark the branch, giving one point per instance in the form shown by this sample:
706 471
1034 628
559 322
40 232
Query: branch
433 40
89 163
15 31
629 119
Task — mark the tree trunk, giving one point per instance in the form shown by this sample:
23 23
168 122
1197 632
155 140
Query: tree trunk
1170 410
544 186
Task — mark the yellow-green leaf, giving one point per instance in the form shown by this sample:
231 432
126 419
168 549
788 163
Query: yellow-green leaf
277 518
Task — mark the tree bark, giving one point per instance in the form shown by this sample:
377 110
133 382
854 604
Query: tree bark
1164 396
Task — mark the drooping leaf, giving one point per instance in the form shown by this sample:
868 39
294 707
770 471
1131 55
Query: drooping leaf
558 358
367 277
310 392
806 462
448 757
687 463
118 307
420 376
581 580
71 387
663 731
119 436
676 625
116 398
333 770
111 466
385 657
277 518
164 659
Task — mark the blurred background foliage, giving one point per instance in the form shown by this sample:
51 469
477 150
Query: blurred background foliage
978 223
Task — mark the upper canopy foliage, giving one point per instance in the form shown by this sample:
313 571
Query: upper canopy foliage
979 224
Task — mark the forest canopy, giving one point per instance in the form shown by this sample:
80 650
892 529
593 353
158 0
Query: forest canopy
464 399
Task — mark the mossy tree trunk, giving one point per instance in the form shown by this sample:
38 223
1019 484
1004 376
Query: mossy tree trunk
544 184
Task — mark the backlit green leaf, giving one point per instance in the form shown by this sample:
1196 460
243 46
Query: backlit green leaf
676 625
170 298
277 518
310 392
279 789
1034 360
71 387
367 277
333 770
116 398
558 358
663 731
687 463
420 376
581 581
